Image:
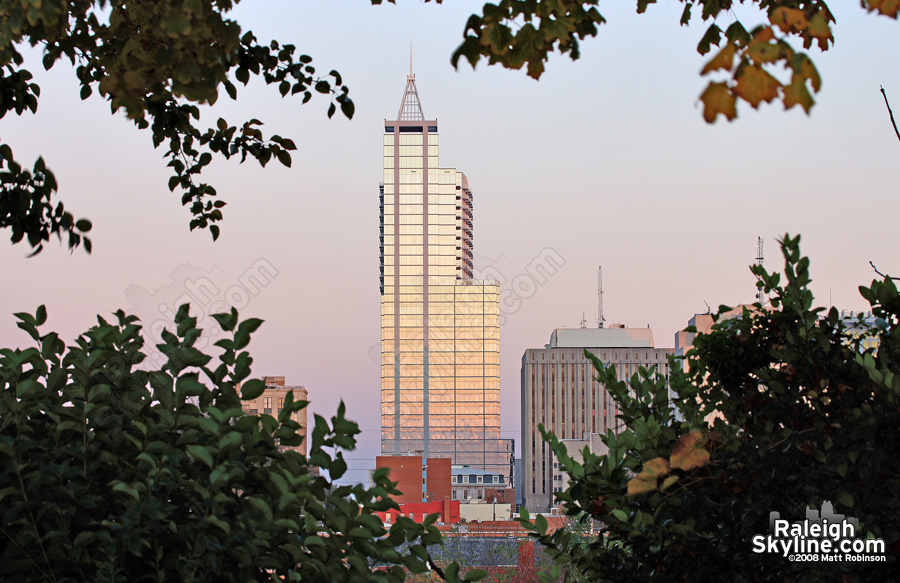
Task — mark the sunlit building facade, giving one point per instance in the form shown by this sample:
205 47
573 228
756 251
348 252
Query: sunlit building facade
440 329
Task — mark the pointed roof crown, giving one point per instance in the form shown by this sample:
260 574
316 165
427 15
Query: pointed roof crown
410 107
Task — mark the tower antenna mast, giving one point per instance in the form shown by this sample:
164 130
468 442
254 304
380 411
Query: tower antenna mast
760 259
600 318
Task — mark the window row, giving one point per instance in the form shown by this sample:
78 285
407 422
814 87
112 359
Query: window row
468 327
488 385
411 209
476 479
442 358
391 280
441 370
438 309
406 151
433 260
464 341
433 198
417 270
443 176
446 342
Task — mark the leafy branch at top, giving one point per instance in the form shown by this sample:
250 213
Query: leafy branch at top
156 61
523 33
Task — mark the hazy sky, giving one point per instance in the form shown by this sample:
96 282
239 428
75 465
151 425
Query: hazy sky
604 161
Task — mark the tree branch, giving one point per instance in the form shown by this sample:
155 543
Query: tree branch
881 274
435 568
891 113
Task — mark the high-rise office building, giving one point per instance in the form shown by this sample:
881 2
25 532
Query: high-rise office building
440 329
560 391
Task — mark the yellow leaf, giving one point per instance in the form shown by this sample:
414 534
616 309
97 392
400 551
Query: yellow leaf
717 98
755 85
655 468
789 19
886 7
641 485
724 59
668 482
689 452
647 479
688 441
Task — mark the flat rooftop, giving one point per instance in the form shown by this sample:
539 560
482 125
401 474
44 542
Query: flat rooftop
613 337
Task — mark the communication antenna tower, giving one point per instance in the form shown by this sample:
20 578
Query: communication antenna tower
583 321
600 318
760 259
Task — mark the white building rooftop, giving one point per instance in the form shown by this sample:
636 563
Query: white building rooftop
612 337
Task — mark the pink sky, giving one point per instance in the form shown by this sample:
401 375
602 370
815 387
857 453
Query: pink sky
605 161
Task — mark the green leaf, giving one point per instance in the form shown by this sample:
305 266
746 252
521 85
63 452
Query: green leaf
123 487
284 157
845 499
540 524
201 453
252 389
348 108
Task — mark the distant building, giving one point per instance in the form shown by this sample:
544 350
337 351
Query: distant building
861 325
271 402
560 391
703 323
684 340
419 479
575 450
473 484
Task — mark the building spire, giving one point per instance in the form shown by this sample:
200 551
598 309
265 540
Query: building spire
410 107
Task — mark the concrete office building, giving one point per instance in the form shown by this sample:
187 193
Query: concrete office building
575 450
560 391
440 329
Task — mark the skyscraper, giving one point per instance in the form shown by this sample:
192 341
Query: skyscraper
440 329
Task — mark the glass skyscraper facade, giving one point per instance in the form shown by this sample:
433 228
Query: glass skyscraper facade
440 329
